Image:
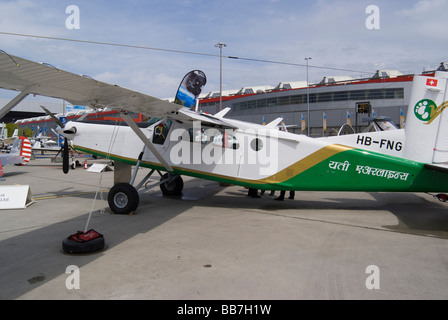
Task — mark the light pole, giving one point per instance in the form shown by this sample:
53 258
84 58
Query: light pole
220 45
308 94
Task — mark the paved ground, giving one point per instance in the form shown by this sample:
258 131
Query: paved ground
216 243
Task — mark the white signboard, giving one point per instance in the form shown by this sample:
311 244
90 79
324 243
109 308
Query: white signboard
99 167
15 197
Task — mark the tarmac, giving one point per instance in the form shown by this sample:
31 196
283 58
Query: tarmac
216 243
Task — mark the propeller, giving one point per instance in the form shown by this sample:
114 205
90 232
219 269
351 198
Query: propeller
64 148
65 164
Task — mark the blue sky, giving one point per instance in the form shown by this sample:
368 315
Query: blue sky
411 37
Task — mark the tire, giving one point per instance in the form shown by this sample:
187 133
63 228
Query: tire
123 198
173 187
72 246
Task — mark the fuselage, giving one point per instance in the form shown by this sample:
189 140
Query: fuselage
263 158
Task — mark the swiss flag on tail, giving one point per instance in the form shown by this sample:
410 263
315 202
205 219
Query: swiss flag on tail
431 82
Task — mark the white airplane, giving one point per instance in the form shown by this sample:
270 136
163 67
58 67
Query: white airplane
44 143
9 141
179 141
49 145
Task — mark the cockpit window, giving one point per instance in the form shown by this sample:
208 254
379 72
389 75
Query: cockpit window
161 132
151 121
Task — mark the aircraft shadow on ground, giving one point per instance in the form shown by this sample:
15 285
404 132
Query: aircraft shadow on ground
12 174
416 214
31 259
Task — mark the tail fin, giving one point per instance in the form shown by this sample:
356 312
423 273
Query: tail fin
426 127
25 151
22 147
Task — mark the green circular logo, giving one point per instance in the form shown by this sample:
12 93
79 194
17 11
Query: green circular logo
424 109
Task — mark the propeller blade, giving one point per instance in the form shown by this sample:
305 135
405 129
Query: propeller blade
65 162
53 117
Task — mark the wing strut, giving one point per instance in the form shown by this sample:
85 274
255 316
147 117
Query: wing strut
145 140
22 95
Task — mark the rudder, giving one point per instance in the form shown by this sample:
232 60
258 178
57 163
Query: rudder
25 150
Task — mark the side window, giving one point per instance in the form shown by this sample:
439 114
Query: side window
226 140
161 132
256 144
197 136
214 136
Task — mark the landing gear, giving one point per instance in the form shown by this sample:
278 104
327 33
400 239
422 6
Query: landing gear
123 198
173 185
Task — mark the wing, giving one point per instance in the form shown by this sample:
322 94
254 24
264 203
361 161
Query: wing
36 78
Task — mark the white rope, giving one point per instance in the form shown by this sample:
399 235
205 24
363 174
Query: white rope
109 149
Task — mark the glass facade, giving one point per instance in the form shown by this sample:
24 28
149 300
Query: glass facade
368 94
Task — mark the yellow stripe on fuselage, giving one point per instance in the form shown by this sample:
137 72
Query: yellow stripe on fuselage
306 163
279 177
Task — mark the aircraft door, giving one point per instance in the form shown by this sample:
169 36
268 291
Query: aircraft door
259 155
207 150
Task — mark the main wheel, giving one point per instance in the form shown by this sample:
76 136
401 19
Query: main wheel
123 198
173 187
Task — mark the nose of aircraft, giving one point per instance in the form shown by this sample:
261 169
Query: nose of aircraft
68 131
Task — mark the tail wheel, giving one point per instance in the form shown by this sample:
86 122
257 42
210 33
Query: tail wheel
172 187
123 198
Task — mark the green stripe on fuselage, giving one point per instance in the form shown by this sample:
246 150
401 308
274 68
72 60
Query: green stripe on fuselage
360 170
345 170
